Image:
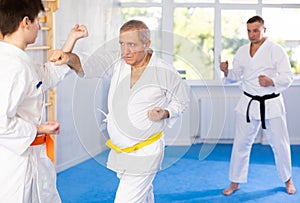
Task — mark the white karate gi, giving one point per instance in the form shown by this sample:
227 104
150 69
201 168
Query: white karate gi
127 123
27 175
270 60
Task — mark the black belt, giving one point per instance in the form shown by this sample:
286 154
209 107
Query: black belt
261 100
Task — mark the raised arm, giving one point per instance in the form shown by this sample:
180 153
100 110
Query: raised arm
64 55
78 32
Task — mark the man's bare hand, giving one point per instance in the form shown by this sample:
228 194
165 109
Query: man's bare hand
51 127
157 114
265 81
224 67
78 32
58 57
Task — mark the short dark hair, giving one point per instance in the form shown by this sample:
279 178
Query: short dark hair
137 25
12 13
256 19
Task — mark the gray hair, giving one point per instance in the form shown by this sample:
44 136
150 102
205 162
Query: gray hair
140 26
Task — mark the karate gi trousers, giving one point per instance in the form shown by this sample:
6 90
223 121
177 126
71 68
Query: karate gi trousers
277 134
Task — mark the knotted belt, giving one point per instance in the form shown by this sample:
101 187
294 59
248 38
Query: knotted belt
135 147
261 100
45 139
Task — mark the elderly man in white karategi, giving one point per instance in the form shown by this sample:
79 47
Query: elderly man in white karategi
264 70
145 94
27 175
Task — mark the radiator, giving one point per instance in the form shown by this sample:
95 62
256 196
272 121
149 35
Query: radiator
217 118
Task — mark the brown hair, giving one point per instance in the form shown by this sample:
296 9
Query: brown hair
137 25
12 13
256 19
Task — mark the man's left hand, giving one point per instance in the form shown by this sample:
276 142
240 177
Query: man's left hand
157 114
265 81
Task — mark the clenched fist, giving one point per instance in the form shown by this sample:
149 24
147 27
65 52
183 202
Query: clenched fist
157 114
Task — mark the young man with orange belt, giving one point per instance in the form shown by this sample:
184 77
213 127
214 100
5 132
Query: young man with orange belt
26 173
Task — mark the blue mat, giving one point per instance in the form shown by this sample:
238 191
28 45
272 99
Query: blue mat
186 178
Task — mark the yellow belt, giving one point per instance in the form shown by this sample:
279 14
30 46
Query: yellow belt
135 147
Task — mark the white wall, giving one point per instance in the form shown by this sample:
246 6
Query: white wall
216 117
209 119
80 137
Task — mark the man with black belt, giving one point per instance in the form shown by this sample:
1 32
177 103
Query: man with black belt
264 70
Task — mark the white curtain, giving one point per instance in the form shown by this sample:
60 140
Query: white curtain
77 143
102 17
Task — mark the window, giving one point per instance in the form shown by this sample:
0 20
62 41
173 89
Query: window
284 31
280 1
141 1
234 31
194 1
195 35
239 1
194 42
152 17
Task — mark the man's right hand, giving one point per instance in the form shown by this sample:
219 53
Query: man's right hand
224 67
78 32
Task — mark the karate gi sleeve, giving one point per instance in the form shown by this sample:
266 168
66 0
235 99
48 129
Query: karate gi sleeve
16 134
51 75
284 76
235 74
177 99
100 64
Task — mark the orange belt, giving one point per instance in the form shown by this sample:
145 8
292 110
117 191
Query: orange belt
39 140
49 144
